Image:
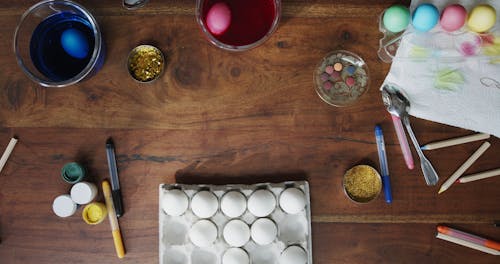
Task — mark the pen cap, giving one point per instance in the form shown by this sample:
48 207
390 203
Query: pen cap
73 172
64 206
83 192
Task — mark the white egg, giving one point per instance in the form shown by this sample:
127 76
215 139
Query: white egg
233 204
293 255
204 204
261 203
203 233
174 202
263 231
235 256
236 233
292 200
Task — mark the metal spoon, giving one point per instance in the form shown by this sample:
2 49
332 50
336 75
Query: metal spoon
398 105
133 4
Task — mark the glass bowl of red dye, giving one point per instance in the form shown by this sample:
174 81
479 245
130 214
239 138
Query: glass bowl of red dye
238 25
341 78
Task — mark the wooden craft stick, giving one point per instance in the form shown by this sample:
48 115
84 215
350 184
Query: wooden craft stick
464 167
479 176
7 152
455 141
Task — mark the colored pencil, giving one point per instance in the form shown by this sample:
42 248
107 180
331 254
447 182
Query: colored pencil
479 176
455 141
467 244
469 237
464 167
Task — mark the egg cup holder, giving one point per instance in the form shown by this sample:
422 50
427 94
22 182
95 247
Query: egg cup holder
293 228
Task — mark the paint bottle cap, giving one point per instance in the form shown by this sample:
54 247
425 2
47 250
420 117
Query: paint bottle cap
64 206
72 172
94 213
83 192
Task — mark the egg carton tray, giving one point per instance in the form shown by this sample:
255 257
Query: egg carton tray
175 246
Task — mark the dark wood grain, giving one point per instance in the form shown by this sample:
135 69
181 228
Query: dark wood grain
221 117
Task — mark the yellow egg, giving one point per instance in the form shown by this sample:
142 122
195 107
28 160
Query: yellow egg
482 18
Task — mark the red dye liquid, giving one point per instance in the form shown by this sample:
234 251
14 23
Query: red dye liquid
251 20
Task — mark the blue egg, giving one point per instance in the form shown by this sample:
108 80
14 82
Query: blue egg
425 17
74 43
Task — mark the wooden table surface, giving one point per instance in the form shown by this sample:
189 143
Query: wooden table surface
220 117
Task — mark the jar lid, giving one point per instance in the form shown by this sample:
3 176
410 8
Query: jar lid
83 192
94 213
63 206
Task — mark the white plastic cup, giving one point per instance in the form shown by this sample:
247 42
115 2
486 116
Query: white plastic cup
64 206
83 192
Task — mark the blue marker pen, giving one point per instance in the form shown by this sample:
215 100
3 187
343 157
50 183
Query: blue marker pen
383 163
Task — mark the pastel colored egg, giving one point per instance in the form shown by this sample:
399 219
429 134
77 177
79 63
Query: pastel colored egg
329 69
425 17
482 18
338 66
350 81
218 18
396 18
74 43
453 17
351 70
324 76
327 85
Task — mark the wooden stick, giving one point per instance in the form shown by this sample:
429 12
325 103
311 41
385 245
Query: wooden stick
467 244
7 152
455 141
479 176
464 167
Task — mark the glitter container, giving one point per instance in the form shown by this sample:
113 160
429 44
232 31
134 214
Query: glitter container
362 183
341 78
145 63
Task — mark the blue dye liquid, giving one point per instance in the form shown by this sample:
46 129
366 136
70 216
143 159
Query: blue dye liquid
47 52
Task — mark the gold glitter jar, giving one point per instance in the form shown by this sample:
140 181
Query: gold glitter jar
362 183
145 63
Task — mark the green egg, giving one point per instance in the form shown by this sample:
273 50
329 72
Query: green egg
396 18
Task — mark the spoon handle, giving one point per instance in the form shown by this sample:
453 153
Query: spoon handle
430 175
403 142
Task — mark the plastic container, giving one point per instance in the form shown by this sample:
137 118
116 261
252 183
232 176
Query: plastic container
341 78
73 172
64 206
83 192
94 213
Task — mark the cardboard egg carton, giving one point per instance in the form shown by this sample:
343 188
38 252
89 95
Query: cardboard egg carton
176 247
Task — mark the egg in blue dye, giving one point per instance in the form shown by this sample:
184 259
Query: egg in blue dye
74 43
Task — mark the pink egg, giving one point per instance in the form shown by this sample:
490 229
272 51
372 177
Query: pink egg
218 18
453 17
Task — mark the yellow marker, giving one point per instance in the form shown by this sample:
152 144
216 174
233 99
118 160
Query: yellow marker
115 228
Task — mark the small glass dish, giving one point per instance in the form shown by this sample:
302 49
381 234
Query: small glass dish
362 183
145 63
341 78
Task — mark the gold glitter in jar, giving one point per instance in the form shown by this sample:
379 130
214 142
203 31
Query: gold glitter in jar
145 63
362 183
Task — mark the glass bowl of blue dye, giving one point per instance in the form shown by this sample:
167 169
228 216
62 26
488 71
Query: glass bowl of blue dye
58 43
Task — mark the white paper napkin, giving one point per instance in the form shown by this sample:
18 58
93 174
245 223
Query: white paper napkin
475 103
